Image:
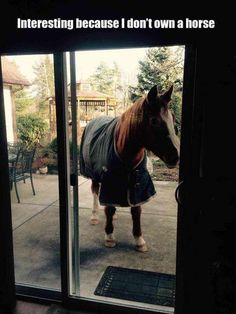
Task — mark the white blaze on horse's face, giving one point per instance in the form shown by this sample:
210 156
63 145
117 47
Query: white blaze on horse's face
167 118
161 137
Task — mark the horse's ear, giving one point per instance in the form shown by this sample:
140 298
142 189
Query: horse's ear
152 94
167 95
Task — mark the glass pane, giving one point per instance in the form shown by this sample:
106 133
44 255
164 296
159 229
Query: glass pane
32 153
107 84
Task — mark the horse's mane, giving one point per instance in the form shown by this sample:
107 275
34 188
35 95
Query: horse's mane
133 116
129 124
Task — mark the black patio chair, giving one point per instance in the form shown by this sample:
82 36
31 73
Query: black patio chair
13 147
21 169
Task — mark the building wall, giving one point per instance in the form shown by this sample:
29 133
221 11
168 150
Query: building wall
8 113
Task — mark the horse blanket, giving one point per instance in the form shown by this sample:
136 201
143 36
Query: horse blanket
120 185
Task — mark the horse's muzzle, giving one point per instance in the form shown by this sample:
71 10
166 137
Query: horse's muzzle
171 163
171 166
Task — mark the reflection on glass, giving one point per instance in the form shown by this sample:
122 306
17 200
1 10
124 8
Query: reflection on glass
107 83
32 153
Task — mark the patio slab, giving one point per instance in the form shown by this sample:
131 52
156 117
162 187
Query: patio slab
37 250
37 245
21 213
46 189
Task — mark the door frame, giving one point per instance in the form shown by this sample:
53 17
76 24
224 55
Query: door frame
187 166
190 162
7 273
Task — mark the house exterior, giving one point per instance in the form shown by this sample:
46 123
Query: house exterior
12 78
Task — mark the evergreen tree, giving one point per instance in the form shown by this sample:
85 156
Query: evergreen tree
23 103
44 84
106 79
163 67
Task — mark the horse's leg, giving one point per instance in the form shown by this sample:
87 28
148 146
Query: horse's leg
94 220
137 232
109 236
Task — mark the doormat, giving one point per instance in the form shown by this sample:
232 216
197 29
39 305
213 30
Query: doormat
137 285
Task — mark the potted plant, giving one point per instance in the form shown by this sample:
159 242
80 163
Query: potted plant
42 164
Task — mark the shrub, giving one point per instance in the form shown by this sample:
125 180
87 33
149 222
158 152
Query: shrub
31 129
53 145
54 148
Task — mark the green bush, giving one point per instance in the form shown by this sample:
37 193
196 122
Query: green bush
54 148
31 129
53 145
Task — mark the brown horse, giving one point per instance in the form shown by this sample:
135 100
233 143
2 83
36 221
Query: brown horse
113 155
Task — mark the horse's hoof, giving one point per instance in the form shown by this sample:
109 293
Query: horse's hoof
110 240
141 248
110 243
94 221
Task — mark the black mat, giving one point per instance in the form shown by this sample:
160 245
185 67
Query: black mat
137 285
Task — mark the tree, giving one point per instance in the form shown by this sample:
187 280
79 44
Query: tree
44 84
106 79
23 102
163 67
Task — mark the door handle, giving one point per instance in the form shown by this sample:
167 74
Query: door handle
177 193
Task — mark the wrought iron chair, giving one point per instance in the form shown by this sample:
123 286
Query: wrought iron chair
21 169
13 148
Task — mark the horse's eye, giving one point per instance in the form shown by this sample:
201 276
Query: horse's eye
154 121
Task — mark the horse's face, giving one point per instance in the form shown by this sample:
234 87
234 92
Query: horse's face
159 125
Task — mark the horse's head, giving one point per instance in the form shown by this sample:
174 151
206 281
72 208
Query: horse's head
160 135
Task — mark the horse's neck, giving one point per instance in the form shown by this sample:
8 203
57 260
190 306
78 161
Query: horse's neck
129 141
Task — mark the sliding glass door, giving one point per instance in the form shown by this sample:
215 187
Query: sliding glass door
59 252
118 276
30 115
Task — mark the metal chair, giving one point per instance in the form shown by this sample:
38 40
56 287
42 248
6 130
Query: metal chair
22 169
13 148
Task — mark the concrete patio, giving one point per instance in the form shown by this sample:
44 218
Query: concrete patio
36 235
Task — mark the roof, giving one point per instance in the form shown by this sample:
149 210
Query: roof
11 74
92 94
89 93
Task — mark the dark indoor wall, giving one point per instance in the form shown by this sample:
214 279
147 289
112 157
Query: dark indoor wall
208 275
209 189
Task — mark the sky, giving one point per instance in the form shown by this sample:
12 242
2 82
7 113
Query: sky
127 60
87 62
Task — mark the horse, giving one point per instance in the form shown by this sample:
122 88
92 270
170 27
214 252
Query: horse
113 153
